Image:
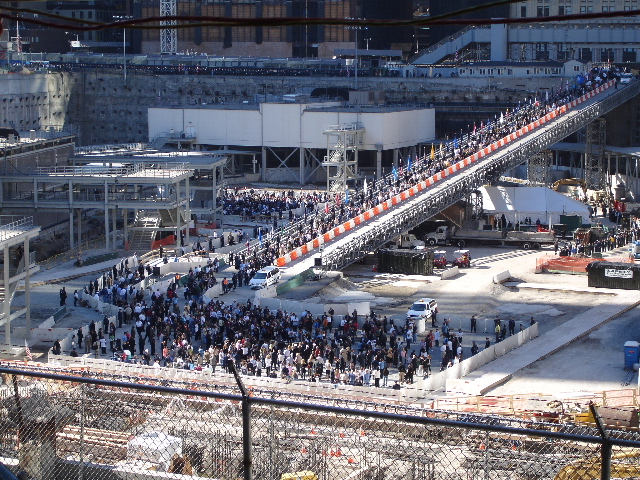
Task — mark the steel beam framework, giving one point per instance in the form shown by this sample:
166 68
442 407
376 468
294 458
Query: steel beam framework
594 167
456 188
168 34
538 168
474 205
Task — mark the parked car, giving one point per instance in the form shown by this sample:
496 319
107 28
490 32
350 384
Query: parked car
265 277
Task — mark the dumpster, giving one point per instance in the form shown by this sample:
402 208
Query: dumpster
631 356
614 275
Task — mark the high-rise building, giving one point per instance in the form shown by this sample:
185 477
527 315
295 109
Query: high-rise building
590 39
284 41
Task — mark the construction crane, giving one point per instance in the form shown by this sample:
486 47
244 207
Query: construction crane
168 34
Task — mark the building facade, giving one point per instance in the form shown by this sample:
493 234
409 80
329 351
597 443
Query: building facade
301 41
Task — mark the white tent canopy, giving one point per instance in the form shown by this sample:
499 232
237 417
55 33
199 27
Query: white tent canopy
537 203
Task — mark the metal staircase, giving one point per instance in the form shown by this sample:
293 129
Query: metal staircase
456 187
143 230
342 160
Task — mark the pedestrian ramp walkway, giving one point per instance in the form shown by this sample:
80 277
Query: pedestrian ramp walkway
502 369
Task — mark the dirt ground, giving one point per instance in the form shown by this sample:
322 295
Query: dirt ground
473 291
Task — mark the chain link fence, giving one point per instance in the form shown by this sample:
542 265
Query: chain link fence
84 425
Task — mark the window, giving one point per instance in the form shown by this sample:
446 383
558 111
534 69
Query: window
543 10
562 52
510 71
586 55
523 11
629 55
89 14
564 10
607 55
542 52
576 68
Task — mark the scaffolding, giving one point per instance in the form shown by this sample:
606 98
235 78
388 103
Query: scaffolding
539 168
474 205
594 167
341 162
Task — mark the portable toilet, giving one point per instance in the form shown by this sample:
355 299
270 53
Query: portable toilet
631 355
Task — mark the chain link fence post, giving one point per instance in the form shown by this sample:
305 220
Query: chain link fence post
82 422
605 450
246 425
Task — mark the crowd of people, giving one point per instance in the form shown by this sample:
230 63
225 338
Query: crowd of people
179 327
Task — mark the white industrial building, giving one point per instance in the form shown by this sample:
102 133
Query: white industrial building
300 140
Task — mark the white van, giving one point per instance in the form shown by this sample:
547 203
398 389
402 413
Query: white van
265 277
422 308
626 78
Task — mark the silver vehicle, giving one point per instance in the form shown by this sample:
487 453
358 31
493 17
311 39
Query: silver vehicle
265 277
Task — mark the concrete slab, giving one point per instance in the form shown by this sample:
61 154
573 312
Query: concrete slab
500 370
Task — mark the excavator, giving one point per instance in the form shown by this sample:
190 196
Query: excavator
574 187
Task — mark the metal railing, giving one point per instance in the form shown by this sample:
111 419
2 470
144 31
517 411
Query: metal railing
10 225
141 169
68 424
115 148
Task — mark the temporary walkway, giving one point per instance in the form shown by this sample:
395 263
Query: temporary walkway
377 226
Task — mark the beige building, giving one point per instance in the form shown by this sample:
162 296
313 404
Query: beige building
547 8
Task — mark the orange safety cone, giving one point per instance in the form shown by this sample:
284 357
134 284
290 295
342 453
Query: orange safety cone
483 446
362 434
514 447
304 450
351 460
341 434
338 453
313 432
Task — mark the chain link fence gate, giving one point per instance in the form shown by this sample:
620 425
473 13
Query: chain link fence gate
90 426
